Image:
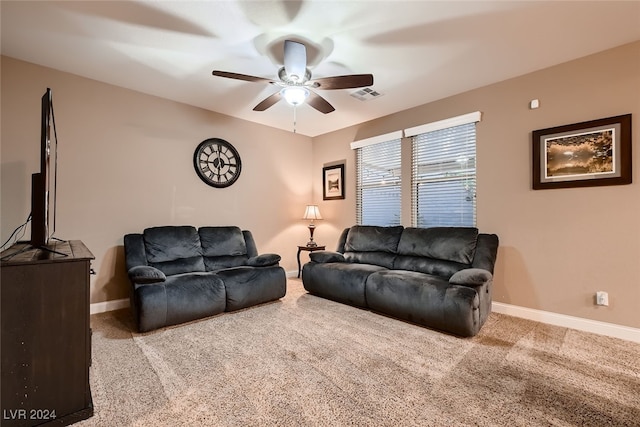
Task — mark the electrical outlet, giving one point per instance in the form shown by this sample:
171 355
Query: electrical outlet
602 298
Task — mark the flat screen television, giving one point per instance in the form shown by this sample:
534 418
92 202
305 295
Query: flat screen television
43 184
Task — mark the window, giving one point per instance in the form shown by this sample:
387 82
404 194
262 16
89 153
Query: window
444 177
378 194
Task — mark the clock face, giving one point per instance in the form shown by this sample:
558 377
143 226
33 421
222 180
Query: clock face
217 162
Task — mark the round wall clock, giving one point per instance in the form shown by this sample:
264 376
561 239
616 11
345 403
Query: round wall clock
217 162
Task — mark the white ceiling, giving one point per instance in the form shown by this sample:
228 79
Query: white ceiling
418 51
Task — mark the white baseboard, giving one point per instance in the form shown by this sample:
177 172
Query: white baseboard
579 323
292 274
101 307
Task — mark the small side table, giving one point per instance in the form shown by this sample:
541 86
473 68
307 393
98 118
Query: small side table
309 249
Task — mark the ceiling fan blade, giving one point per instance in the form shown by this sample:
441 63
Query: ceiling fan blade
351 81
295 60
237 76
319 103
268 102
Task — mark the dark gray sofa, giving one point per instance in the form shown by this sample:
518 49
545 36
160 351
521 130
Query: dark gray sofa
438 277
179 274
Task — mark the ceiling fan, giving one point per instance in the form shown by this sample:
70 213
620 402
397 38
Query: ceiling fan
296 83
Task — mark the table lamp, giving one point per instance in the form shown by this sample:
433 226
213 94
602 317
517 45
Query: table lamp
312 212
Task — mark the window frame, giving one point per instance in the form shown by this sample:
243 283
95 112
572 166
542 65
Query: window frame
406 174
394 141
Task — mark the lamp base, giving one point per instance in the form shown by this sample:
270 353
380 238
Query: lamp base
311 243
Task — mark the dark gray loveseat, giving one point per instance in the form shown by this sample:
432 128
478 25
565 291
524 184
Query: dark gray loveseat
179 274
438 277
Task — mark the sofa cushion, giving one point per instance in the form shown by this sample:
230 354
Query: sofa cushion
223 247
180 265
425 299
222 241
173 249
340 281
368 238
171 242
248 286
215 263
437 267
457 244
384 259
193 296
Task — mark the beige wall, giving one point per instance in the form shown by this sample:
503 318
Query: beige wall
126 163
558 247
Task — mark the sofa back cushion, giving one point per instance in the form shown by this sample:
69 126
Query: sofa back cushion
369 244
222 247
383 259
173 249
455 244
369 238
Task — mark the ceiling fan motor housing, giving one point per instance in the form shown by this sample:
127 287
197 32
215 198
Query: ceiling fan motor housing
292 80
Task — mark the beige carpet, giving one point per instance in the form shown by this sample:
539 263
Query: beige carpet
306 361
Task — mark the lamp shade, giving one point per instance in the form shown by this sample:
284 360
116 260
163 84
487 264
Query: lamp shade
312 212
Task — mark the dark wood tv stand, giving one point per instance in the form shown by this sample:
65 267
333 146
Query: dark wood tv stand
46 338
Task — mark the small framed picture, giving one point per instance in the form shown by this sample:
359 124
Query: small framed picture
593 153
333 182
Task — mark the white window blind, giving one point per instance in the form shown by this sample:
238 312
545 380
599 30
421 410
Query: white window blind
444 177
378 183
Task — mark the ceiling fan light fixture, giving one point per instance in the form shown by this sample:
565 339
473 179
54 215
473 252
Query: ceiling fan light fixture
295 95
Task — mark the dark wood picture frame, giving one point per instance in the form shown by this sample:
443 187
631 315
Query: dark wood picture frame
333 182
586 154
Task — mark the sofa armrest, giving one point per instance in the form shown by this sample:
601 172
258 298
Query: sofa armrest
471 277
145 274
326 256
264 260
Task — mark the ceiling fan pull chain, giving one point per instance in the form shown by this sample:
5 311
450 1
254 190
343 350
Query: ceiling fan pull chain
294 118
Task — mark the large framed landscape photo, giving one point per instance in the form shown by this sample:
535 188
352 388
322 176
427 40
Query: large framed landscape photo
586 154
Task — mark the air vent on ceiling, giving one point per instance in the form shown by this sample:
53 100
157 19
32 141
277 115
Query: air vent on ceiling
366 94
